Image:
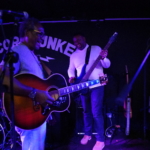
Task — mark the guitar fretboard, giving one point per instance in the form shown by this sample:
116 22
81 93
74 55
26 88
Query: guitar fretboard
78 87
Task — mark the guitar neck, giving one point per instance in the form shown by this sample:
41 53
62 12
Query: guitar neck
78 87
91 69
107 46
94 64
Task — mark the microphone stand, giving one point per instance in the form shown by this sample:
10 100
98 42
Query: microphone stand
127 89
10 58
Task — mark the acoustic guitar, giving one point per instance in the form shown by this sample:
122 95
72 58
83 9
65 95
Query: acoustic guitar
29 114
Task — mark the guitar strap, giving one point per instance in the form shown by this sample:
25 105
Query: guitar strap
45 68
88 54
87 61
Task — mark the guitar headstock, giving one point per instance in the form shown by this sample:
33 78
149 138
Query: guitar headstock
113 37
103 79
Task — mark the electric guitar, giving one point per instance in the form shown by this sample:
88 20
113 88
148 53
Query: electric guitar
84 76
29 114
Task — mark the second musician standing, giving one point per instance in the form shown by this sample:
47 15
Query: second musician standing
92 102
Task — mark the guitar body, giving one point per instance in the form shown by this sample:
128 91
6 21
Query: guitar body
27 115
78 80
83 72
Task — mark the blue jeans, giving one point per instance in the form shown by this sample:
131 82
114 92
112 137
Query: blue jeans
92 104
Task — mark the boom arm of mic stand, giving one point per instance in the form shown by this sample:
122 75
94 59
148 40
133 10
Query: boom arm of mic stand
126 89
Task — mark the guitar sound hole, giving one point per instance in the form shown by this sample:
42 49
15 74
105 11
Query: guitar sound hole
54 93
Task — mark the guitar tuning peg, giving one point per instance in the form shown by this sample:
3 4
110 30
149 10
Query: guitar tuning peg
105 75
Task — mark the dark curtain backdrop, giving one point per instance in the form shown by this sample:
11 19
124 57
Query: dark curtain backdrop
129 49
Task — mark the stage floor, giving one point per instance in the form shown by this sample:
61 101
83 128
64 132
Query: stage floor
117 142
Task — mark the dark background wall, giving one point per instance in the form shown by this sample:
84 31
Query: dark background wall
129 49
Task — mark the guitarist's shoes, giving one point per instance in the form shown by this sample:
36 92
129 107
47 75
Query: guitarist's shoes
85 139
99 145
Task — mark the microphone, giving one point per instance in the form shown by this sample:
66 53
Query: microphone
14 13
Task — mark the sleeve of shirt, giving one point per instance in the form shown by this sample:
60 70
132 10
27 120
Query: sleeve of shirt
2 63
16 67
17 64
71 69
105 63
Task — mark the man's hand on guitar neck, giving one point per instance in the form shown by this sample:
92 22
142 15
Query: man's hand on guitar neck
71 79
103 53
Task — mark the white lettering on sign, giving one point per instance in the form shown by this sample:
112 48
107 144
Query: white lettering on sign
60 44
69 49
49 42
6 43
15 41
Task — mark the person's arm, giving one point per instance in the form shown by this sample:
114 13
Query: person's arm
71 70
23 90
105 62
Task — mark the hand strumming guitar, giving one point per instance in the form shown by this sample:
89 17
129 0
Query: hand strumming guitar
43 97
103 53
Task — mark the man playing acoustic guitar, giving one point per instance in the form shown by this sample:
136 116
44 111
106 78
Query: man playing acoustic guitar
31 35
92 101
